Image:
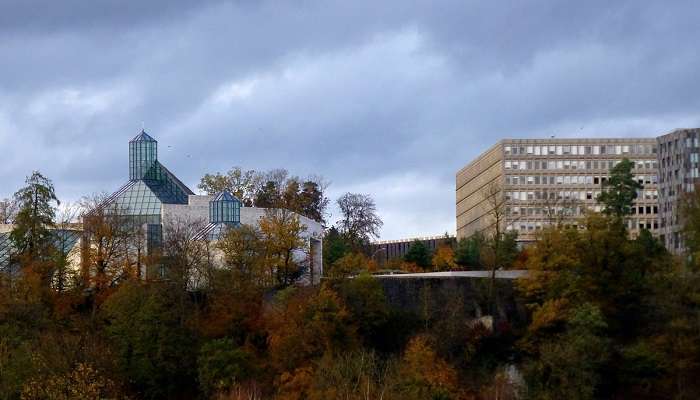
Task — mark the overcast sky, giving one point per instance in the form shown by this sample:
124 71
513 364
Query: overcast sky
388 98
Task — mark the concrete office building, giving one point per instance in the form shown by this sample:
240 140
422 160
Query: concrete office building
679 160
545 181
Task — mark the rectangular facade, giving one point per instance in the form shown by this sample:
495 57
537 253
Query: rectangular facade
547 181
472 181
678 174
386 250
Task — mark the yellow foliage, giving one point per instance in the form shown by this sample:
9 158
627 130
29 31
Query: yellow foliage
349 264
424 371
548 314
444 259
306 326
84 382
295 385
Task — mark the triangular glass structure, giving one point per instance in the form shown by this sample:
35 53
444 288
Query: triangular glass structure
150 184
224 214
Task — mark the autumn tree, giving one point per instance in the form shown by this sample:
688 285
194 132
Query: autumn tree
670 356
500 247
303 326
66 236
222 365
235 288
620 190
186 255
364 297
114 247
360 222
153 344
83 382
599 265
558 209
244 184
312 200
424 375
570 364
285 250
269 196
588 290
272 189
444 258
290 195
348 265
356 375
244 256
8 211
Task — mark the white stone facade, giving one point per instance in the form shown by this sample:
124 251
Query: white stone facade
197 212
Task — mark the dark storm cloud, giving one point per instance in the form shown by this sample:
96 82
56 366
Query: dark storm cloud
387 97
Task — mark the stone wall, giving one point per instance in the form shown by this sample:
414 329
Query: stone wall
433 297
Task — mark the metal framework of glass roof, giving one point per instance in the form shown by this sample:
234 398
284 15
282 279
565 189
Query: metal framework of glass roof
5 249
224 213
64 240
150 184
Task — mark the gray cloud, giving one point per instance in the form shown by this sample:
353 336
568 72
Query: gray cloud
380 97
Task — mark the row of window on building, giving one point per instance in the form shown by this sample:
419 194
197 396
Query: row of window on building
532 226
581 150
569 195
570 179
670 175
677 189
573 164
675 145
677 160
546 212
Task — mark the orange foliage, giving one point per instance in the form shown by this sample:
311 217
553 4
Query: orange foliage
305 326
444 259
227 310
424 371
295 385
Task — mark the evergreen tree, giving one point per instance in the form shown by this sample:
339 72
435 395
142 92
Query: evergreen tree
312 201
468 253
31 236
334 247
620 190
8 211
419 254
268 196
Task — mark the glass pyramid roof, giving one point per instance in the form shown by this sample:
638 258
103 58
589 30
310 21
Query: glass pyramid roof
225 196
142 137
145 196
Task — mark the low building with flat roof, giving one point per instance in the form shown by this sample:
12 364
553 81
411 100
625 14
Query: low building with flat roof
387 250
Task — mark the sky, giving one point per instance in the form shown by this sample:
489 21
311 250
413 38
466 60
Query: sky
386 98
